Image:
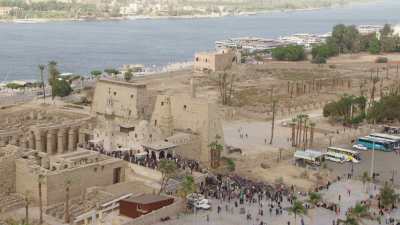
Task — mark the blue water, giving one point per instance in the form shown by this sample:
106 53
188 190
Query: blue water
80 47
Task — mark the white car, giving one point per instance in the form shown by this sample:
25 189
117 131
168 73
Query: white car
360 147
202 206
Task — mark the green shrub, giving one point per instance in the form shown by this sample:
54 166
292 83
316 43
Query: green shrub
381 60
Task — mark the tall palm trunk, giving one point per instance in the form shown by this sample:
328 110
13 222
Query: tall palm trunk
293 134
312 134
298 131
273 122
43 86
40 204
306 141
67 219
26 209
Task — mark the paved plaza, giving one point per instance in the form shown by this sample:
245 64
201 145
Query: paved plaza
386 165
318 216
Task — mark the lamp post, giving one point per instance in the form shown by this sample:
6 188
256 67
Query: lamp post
373 159
372 164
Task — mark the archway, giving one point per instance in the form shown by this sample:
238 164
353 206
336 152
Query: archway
153 155
161 155
169 155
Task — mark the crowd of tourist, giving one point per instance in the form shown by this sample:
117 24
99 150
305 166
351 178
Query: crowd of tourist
145 158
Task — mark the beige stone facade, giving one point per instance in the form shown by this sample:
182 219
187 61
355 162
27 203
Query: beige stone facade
47 130
214 61
81 169
189 123
195 117
128 100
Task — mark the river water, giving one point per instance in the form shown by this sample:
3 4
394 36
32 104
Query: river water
80 47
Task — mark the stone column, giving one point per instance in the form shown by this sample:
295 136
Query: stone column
81 136
31 140
72 139
51 141
13 140
2 142
38 140
61 143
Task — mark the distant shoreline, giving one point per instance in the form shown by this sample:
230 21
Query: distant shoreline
144 17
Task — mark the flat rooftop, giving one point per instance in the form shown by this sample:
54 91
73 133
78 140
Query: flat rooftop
122 83
160 145
147 199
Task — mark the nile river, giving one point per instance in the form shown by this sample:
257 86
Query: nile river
80 47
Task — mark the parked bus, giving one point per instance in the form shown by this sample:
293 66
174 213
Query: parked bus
394 138
352 155
309 157
336 157
376 143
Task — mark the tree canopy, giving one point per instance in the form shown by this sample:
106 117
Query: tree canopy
128 75
96 73
168 170
111 71
61 88
386 109
348 108
289 53
388 196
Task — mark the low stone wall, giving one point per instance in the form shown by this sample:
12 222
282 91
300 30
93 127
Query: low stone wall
155 216
146 172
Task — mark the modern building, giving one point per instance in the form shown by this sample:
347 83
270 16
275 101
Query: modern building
214 61
137 206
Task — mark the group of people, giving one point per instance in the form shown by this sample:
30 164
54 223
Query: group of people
253 200
145 158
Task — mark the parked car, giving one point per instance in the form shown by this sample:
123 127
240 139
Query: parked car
203 204
360 147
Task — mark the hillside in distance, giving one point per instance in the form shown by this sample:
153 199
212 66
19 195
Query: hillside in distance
77 9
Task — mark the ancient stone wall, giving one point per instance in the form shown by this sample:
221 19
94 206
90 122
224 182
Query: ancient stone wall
7 171
81 178
125 100
183 113
85 174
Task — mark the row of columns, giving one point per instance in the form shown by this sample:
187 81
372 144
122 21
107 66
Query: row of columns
56 140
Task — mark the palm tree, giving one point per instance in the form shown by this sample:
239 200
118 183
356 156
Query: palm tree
216 148
388 196
299 124
168 170
359 212
349 221
273 120
293 125
40 182
297 209
374 81
41 68
312 129
27 201
128 75
188 186
314 198
68 183
365 178
53 75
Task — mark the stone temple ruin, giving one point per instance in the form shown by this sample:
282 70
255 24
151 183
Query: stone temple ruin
52 145
49 131
178 124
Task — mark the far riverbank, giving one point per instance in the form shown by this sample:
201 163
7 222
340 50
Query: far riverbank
149 17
